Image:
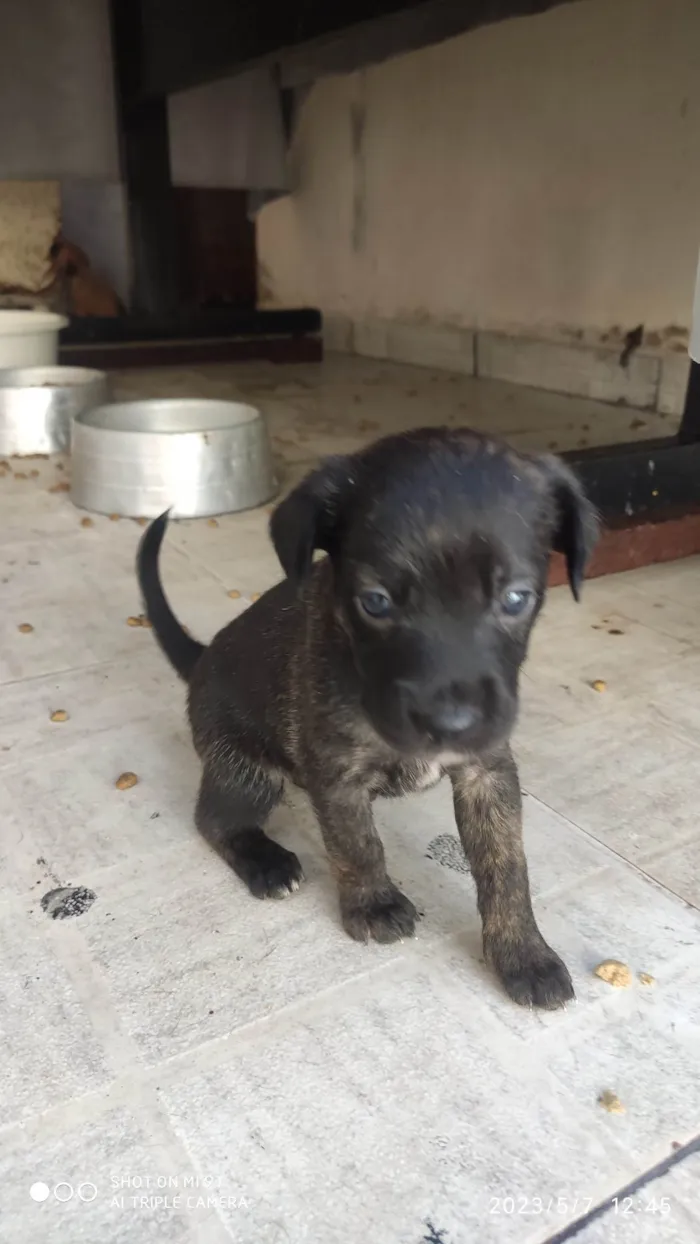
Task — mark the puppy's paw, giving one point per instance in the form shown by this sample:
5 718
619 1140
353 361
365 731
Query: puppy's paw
268 870
385 915
533 975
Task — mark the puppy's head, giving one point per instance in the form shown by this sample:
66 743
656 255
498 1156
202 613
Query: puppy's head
439 542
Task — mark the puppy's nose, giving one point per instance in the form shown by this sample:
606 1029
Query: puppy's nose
454 718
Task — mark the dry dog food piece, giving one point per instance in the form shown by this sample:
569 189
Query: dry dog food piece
86 522
114 518
125 781
615 973
59 715
255 596
611 1102
599 685
33 474
212 522
141 521
20 475
133 621
62 486
141 620
234 594
646 979
26 628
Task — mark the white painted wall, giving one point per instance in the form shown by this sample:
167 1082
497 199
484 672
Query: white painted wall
539 174
58 120
229 135
57 114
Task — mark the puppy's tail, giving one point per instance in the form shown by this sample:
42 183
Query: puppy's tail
181 651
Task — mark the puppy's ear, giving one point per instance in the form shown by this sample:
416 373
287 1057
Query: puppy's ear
309 518
576 524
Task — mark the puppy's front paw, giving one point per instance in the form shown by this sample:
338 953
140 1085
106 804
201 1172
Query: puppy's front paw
384 915
533 975
268 870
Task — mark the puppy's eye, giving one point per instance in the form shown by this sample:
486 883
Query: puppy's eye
375 603
515 601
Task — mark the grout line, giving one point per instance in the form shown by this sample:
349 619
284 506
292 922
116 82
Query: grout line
604 846
667 888
92 990
56 673
138 1077
636 1185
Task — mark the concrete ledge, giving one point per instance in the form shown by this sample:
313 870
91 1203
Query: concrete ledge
673 385
639 544
370 338
580 370
432 345
338 334
649 382
446 348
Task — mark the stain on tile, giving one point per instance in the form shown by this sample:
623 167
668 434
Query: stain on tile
67 902
447 850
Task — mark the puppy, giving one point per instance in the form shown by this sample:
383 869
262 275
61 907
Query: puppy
382 667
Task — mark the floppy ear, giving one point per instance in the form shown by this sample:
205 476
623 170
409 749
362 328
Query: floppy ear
309 517
576 524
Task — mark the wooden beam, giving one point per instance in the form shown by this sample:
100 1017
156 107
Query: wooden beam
145 157
189 42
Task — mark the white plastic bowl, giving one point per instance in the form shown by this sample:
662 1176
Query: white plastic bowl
29 338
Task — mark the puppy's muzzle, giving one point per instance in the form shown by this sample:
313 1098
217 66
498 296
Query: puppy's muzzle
446 714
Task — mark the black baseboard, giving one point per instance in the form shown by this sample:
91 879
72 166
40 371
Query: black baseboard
190 326
299 349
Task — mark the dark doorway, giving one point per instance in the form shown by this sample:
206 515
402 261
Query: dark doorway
216 244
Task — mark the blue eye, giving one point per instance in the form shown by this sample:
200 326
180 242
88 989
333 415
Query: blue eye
515 601
375 603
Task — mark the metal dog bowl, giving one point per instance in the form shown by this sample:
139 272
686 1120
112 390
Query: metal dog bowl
194 456
38 405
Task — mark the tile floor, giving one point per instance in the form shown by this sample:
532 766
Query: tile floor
181 1063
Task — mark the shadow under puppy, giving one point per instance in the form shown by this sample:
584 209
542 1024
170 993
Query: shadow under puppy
383 666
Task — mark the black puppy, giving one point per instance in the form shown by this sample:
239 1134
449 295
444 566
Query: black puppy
378 669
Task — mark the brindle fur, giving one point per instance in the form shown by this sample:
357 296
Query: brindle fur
301 687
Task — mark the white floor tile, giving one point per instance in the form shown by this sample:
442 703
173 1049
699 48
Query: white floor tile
49 1050
340 1092
92 1179
407 1108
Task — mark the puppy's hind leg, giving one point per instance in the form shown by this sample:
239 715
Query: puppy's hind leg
232 805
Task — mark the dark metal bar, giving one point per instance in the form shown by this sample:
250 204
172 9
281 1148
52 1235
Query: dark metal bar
650 480
689 431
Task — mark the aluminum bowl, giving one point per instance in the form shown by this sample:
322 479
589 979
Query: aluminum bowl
38 405
193 456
